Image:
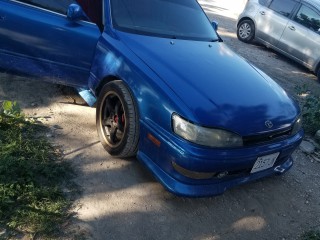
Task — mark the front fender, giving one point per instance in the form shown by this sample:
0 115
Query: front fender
155 100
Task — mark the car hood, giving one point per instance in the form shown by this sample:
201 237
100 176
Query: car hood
220 88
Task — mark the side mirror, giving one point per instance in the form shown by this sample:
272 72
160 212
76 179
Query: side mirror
215 25
75 12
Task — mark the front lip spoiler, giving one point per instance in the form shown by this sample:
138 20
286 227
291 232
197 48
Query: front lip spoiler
212 189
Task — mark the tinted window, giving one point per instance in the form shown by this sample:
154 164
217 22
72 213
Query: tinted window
308 18
166 18
284 7
93 9
59 6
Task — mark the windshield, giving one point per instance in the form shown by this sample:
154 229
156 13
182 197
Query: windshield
182 19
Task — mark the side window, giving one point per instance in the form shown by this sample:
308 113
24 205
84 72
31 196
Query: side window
264 2
93 9
59 6
284 7
308 18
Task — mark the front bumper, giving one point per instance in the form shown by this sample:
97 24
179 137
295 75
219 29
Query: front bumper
210 189
171 151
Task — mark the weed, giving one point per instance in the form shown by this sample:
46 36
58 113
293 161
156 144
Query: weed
31 176
310 105
311 235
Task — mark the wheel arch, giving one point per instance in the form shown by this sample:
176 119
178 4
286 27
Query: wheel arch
245 18
104 81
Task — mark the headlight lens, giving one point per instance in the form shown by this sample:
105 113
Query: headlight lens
297 126
205 136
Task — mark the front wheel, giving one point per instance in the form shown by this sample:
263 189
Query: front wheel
246 31
117 120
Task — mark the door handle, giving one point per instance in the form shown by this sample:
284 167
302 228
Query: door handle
292 28
262 13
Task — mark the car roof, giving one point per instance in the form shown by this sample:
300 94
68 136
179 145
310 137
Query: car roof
315 3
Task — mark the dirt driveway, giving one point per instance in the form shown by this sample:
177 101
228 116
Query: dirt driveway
121 200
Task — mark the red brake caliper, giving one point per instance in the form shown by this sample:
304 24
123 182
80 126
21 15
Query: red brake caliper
116 118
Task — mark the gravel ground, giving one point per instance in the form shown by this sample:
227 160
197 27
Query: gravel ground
121 200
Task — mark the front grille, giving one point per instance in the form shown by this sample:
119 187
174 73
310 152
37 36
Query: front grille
266 137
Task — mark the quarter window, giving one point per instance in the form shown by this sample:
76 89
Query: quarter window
308 18
284 7
59 6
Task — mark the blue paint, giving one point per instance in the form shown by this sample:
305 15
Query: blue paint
198 78
46 44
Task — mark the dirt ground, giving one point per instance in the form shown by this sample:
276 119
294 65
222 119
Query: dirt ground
121 200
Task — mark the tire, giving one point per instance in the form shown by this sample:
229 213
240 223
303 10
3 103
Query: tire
318 74
246 31
117 120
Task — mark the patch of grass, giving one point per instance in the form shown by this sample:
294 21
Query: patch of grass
310 106
311 235
32 177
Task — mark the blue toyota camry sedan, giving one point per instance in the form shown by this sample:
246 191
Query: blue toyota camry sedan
167 89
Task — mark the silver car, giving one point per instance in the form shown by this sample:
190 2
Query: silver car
291 27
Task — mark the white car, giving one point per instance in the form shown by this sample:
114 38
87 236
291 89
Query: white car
291 27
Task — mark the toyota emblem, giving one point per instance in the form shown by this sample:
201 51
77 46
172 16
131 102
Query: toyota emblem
268 124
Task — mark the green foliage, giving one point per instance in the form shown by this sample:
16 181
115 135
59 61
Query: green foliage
31 176
311 235
310 105
11 109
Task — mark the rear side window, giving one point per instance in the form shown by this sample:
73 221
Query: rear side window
59 6
308 18
284 7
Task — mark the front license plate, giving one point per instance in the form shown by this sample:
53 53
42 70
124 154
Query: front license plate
264 162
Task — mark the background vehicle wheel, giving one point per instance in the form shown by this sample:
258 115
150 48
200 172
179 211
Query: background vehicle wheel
246 31
117 120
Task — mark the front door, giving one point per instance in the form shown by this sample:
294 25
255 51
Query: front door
38 39
272 20
301 38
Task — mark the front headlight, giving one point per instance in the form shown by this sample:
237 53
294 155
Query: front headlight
205 136
297 126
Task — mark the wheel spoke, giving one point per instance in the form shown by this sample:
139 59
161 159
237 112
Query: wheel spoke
121 122
107 122
109 107
245 30
119 113
117 108
113 134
